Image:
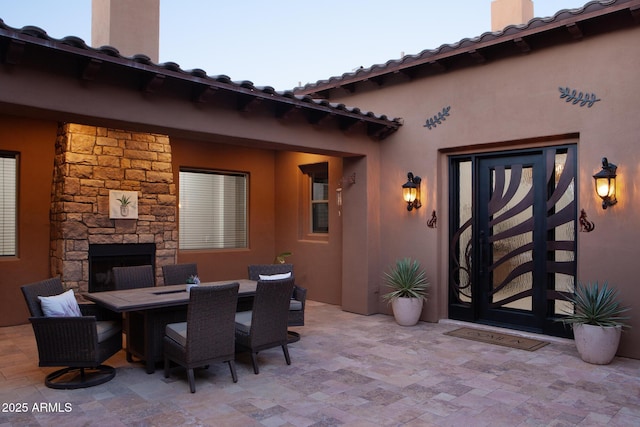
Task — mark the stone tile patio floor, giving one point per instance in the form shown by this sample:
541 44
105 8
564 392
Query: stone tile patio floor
347 370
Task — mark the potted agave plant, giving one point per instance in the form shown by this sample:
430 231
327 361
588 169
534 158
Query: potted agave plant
408 284
597 320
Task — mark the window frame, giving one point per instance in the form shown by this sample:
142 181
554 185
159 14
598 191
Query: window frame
307 201
236 239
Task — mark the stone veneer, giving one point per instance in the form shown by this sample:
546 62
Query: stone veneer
90 161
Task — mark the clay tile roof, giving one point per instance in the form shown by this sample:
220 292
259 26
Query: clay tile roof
565 26
12 47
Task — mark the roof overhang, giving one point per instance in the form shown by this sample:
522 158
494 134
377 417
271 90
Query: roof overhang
30 48
566 26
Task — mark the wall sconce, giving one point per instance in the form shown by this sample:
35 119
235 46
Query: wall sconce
606 183
411 191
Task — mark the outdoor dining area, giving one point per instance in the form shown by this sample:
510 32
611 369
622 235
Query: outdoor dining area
347 369
184 322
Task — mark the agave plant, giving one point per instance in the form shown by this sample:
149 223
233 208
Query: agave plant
406 280
124 200
280 258
596 305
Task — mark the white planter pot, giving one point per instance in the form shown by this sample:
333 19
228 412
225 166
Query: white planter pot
407 310
596 344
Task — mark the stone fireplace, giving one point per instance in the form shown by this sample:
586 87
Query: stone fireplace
89 162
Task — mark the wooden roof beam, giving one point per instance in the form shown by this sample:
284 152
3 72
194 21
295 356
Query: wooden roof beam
91 69
522 45
477 56
574 30
153 83
14 52
284 111
635 13
204 94
247 103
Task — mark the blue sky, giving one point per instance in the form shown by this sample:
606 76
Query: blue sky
282 43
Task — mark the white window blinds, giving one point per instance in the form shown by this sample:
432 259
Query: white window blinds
8 205
213 210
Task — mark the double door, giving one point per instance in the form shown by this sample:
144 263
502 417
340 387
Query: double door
512 243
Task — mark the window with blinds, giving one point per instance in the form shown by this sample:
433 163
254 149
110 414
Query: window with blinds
213 210
8 204
320 202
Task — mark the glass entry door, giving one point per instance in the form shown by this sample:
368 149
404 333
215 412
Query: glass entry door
513 237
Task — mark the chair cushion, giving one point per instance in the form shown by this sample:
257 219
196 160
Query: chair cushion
274 276
63 305
243 321
177 332
295 305
106 329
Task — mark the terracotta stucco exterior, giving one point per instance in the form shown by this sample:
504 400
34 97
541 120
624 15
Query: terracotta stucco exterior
510 104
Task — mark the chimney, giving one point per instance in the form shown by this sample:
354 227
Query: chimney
131 26
510 12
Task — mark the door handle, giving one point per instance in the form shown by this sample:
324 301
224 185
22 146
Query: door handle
481 242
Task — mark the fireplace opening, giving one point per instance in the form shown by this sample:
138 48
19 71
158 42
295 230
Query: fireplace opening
103 257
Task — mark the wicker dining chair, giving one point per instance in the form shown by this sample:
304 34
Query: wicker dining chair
177 274
80 343
265 326
132 277
208 334
299 294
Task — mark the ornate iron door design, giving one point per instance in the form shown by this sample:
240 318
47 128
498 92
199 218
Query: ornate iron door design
512 246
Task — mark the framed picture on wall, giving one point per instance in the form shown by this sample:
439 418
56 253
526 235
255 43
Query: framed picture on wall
123 204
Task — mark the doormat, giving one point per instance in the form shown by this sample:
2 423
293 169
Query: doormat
498 338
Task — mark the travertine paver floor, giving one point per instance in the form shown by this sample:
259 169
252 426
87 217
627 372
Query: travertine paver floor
347 370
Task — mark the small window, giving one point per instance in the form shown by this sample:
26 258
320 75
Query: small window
316 198
8 204
213 210
320 202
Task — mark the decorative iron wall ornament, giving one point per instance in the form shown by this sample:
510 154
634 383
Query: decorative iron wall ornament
586 225
576 97
436 120
433 222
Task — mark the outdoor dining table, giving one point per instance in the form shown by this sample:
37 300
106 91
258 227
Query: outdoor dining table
150 309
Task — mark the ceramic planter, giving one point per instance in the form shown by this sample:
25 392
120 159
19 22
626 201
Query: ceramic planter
596 344
407 311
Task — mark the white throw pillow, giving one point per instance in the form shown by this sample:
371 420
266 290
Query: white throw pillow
275 276
63 305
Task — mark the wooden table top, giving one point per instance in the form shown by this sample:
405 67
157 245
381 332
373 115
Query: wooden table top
157 296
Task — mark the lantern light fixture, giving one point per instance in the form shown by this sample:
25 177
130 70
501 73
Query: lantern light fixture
605 181
411 191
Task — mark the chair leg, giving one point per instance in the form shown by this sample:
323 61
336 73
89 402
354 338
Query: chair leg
167 368
285 350
232 366
254 361
192 380
74 378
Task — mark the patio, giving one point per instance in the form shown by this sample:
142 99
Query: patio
347 369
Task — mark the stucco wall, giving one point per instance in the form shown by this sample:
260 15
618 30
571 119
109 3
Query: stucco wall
317 259
259 164
35 143
514 103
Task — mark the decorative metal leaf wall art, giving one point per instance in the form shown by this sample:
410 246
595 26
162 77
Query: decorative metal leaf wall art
436 120
575 97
